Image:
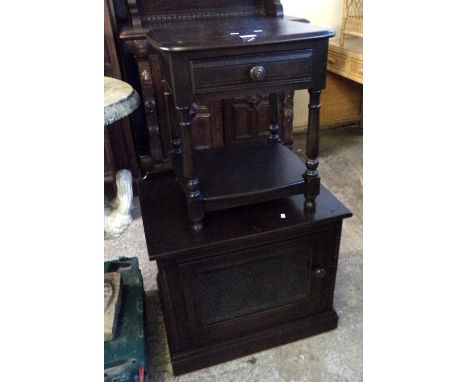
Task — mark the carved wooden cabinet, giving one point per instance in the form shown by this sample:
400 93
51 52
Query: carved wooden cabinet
119 149
216 121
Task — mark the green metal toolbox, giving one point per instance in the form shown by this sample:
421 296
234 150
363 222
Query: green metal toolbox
125 355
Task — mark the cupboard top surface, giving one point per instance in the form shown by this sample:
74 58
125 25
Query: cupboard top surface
168 231
233 32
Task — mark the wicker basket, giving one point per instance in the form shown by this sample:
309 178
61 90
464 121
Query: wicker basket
341 102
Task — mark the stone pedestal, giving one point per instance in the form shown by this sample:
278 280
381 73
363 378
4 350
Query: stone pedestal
120 100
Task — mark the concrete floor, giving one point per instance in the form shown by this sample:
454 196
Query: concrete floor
329 357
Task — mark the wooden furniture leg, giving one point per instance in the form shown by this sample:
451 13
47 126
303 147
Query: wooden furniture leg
109 163
193 195
311 175
149 104
175 131
274 118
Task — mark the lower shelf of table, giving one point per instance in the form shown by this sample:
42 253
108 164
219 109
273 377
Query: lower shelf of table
246 172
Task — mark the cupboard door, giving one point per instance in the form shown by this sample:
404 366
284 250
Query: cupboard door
244 291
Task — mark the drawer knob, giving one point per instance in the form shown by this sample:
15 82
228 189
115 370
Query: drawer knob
331 61
257 73
320 273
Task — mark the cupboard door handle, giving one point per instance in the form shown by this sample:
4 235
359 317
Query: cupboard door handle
331 60
320 273
257 73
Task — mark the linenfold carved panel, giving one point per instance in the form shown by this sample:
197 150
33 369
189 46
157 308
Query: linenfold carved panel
246 118
207 126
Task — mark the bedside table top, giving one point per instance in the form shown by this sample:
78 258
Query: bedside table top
233 32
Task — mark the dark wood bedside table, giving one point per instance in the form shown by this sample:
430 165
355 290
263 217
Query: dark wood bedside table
231 57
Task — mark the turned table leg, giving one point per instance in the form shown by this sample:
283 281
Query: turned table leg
194 197
274 118
311 175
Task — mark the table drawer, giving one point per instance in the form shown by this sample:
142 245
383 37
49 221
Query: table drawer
355 67
251 71
336 60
